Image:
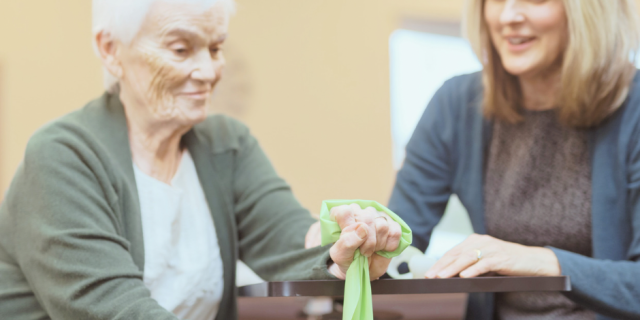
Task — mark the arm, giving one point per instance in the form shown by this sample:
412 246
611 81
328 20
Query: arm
607 287
423 184
66 237
271 223
611 288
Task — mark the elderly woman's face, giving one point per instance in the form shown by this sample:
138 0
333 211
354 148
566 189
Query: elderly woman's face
529 35
174 62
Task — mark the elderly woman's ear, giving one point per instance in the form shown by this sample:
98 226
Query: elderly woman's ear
108 49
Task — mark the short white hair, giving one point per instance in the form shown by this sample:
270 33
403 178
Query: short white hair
122 19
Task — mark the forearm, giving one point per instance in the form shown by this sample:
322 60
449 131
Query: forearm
608 287
272 239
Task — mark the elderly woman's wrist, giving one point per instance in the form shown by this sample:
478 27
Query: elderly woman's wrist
335 270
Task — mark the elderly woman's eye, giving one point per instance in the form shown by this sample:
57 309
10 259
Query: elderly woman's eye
179 48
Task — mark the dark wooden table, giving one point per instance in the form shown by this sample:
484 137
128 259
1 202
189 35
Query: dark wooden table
335 288
412 299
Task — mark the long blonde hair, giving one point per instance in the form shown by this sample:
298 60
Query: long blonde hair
597 67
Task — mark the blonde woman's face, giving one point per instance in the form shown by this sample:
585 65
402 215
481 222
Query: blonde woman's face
173 64
529 35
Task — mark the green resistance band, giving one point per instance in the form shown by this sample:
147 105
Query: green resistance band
357 288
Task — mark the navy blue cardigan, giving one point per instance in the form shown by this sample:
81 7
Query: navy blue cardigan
446 155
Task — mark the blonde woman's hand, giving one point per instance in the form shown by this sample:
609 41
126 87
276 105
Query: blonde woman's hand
480 254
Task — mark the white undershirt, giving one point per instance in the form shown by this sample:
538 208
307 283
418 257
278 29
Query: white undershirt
183 268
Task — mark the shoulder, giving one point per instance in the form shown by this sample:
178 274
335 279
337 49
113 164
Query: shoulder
62 155
72 131
634 87
628 116
222 133
458 98
467 84
632 103
463 91
628 120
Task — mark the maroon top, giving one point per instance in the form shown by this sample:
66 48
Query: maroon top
538 193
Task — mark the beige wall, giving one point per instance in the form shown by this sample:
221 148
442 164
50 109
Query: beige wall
47 66
320 96
309 77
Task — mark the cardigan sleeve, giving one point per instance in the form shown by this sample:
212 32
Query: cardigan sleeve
271 223
608 287
66 236
423 184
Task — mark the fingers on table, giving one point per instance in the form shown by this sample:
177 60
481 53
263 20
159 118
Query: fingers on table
477 255
444 266
481 267
463 261
441 264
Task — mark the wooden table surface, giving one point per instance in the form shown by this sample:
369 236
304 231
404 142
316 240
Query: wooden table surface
449 306
335 288
442 299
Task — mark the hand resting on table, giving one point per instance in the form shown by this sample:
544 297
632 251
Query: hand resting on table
480 254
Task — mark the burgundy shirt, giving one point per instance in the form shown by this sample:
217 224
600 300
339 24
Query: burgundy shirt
538 193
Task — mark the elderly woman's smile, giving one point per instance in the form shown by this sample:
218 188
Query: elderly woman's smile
145 203
174 62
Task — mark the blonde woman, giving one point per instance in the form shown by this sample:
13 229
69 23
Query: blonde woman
543 149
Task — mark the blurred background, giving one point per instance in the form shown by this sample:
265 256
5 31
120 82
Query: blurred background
331 88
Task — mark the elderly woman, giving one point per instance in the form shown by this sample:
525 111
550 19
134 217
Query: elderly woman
543 149
139 205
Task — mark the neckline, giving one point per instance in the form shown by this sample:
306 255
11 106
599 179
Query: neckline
184 158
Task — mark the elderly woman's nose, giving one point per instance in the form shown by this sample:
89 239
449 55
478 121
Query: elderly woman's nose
206 68
512 12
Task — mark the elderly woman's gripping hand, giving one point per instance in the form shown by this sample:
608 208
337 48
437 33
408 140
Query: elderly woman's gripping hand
366 229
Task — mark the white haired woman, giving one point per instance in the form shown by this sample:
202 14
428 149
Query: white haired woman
543 149
138 205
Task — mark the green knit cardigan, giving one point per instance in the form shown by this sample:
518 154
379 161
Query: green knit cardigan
71 244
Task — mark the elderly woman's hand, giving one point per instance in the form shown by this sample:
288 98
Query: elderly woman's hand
366 229
480 254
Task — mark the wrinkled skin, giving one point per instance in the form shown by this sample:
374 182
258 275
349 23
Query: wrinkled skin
172 66
367 229
166 77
